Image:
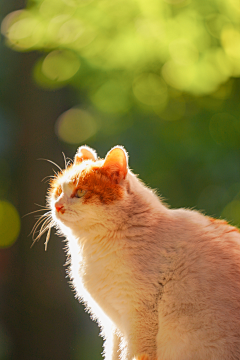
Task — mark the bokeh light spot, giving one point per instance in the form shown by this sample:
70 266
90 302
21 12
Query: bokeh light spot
178 76
70 31
51 8
183 52
177 2
231 42
235 4
215 23
112 97
75 126
9 224
22 30
60 65
232 212
150 89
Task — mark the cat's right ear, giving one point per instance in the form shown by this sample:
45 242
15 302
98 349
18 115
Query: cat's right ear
116 163
85 153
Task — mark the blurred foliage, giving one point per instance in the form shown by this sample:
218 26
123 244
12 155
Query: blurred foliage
167 60
127 53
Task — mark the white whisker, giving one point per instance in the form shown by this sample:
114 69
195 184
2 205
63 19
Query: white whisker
46 226
48 176
69 161
43 222
38 222
35 211
42 206
65 162
52 162
56 174
48 235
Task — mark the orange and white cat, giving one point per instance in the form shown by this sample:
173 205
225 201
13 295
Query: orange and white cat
163 284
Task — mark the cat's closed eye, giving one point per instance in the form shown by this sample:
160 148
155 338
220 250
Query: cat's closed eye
79 193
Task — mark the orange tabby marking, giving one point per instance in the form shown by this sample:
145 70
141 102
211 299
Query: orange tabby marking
142 357
218 222
96 180
99 185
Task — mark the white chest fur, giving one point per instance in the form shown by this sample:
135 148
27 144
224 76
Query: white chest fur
102 279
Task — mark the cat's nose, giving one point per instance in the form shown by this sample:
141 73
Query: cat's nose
59 207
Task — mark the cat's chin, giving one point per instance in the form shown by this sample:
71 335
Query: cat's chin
65 218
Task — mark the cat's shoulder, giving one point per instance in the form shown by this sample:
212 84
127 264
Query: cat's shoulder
195 218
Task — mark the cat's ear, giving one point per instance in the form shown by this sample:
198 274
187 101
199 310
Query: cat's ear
116 163
85 153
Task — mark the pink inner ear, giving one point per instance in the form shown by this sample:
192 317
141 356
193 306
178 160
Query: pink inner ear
85 153
116 160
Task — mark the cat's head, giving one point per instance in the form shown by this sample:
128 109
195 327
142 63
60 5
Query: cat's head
87 190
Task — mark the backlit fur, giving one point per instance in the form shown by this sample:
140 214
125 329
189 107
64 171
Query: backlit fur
163 284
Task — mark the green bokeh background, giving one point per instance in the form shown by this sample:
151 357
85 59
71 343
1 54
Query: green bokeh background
161 78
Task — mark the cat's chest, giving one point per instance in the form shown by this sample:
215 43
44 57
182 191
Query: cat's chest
104 273
107 277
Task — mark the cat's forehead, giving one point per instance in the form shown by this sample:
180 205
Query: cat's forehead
74 172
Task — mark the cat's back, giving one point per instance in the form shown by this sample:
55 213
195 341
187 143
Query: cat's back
202 295
208 248
207 234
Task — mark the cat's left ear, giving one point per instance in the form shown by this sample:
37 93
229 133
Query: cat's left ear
116 163
85 153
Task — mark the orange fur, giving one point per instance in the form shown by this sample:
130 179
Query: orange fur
227 226
142 357
55 183
55 187
99 185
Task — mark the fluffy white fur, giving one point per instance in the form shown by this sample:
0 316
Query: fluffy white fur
161 282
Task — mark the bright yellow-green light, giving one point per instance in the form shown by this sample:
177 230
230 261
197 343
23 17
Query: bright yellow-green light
183 52
70 31
187 45
60 65
178 76
9 224
22 30
76 126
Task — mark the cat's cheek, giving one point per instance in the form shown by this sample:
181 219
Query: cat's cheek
60 220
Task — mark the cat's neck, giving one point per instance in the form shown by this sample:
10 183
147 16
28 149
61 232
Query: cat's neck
144 195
